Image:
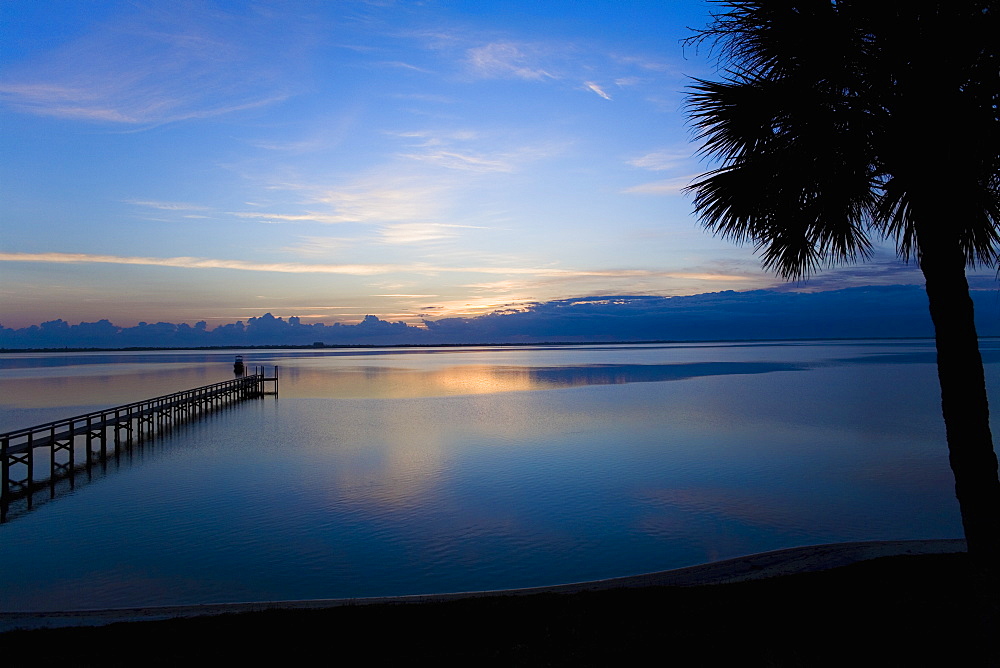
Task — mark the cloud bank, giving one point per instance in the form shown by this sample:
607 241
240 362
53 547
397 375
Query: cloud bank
874 311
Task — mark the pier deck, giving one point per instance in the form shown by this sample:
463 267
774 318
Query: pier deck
109 431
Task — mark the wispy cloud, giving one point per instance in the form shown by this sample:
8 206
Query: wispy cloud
412 233
624 82
506 60
391 202
597 89
405 66
602 273
151 67
645 63
318 246
286 307
299 146
662 160
404 295
433 138
168 206
201 263
323 134
425 97
460 161
382 197
673 186
355 269
573 65
477 152
307 217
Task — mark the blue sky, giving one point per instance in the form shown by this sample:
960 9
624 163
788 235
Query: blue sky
188 161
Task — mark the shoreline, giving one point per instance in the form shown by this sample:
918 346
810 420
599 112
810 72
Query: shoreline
760 566
493 344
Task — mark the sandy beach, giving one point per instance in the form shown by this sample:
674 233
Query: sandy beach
892 603
741 569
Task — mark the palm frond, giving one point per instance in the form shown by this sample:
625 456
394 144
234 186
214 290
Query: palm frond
825 130
796 225
797 175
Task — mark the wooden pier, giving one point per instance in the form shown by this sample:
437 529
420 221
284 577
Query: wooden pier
109 432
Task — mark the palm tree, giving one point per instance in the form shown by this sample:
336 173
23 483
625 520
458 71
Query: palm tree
841 122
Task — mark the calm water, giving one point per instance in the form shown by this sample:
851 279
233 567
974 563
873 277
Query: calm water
382 472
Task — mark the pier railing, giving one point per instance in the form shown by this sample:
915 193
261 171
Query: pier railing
109 431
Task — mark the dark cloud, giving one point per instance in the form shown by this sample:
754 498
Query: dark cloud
760 314
859 312
876 272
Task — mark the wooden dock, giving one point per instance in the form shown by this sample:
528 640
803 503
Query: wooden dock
109 432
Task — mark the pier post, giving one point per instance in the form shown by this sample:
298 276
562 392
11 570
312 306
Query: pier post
30 461
72 446
89 439
104 437
53 448
5 472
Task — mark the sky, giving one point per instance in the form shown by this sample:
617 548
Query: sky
189 161
890 311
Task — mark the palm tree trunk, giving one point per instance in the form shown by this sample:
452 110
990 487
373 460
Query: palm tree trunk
963 396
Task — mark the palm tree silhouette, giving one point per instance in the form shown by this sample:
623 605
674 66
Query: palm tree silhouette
837 122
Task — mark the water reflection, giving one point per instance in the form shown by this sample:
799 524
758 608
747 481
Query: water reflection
391 382
116 453
126 382
116 384
401 473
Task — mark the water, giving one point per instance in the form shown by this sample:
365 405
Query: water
384 472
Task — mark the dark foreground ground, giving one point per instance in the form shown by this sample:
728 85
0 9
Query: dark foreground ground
895 611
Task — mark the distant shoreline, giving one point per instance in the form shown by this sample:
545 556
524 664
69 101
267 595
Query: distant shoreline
509 344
